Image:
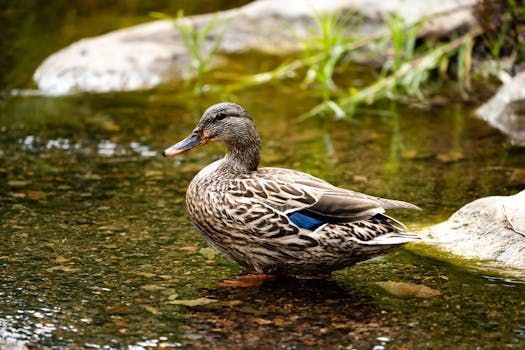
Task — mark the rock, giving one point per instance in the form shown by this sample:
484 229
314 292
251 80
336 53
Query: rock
439 17
118 309
192 302
135 58
491 228
517 177
408 290
506 109
150 54
208 253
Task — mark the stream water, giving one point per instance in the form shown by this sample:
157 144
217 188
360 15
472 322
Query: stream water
96 249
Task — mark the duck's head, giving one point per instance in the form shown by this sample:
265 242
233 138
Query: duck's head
224 122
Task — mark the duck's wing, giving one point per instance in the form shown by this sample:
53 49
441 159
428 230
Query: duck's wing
314 200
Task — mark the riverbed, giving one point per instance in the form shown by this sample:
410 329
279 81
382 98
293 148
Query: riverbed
97 250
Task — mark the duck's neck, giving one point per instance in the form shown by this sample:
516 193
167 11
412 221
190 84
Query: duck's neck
244 155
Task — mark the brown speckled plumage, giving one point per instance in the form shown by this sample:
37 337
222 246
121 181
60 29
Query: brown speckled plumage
245 212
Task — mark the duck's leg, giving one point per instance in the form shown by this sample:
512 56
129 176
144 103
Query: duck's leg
250 280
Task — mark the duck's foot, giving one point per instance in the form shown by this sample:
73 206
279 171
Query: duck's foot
250 280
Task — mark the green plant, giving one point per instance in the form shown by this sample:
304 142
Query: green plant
329 38
409 68
403 40
409 77
403 37
202 44
503 23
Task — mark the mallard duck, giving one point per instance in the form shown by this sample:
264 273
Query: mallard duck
280 221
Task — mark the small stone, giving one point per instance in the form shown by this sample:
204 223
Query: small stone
118 310
208 253
360 178
192 336
151 309
405 289
517 177
61 259
450 157
92 177
63 268
152 287
192 302
18 183
410 154
145 274
263 321
189 249
36 195
173 296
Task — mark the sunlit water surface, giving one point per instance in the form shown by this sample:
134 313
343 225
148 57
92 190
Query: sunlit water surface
97 250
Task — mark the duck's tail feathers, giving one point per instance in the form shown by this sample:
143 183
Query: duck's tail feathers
396 222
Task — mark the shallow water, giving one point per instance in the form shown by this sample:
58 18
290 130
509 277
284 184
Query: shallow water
97 249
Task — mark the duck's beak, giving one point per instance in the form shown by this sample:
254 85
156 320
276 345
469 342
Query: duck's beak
195 139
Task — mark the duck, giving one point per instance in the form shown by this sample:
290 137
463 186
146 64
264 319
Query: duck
277 221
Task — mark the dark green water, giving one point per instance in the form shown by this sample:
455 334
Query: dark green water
96 246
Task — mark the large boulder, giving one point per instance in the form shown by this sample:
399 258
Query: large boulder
150 54
491 229
506 109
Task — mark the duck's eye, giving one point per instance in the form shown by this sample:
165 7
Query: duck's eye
220 116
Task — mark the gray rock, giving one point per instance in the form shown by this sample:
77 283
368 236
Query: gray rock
491 228
150 54
506 109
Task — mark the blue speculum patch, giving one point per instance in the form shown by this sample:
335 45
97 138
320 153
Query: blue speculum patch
305 221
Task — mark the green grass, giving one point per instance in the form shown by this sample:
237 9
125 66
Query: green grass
324 50
405 72
202 43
